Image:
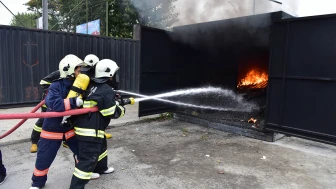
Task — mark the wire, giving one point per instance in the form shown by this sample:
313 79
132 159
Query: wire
68 13
234 8
276 2
12 13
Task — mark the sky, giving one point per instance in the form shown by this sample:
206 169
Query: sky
15 6
188 9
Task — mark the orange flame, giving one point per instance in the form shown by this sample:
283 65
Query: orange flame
252 120
253 77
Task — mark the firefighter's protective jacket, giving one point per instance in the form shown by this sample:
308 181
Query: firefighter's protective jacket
46 81
56 102
91 126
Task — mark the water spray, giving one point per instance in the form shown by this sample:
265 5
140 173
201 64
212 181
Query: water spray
182 92
224 92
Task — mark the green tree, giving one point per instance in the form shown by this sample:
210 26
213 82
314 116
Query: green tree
122 15
65 15
35 6
159 13
28 19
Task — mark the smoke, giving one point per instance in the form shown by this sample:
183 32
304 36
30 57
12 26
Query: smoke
191 11
247 32
156 13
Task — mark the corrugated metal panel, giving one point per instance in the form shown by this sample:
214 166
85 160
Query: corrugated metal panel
302 78
158 70
27 55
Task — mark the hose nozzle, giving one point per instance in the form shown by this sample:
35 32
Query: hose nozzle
130 101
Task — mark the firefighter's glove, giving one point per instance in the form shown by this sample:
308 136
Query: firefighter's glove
126 101
117 98
79 102
67 122
117 95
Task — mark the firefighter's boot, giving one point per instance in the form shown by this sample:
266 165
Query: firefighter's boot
95 176
109 170
33 148
108 135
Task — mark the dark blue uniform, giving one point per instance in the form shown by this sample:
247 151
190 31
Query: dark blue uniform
3 173
54 131
45 83
2 167
90 133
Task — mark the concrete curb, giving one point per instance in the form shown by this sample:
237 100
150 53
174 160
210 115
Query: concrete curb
14 142
129 123
247 132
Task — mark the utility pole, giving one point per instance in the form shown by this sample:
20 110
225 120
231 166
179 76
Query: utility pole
253 7
45 14
87 17
106 21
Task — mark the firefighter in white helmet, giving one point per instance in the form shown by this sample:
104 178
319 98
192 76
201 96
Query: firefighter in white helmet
90 128
45 83
91 60
54 130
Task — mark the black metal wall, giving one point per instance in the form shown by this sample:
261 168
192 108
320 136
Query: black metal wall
158 70
215 50
302 80
200 54
27 55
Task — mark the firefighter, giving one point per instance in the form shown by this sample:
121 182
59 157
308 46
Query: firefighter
91 60
88 69
54 130
44 83
90 128
3 174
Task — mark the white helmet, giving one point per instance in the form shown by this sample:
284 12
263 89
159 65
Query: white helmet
91 60
68 64
105 68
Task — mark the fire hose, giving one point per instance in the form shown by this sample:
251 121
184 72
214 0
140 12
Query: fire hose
81 82
21 122
32 114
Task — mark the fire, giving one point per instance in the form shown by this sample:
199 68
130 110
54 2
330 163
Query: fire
252 120
254 78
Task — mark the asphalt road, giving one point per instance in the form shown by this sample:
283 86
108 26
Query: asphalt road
174 154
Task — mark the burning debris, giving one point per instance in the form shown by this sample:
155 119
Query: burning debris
254 79
252 120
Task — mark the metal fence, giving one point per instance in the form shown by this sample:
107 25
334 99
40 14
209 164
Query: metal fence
27 55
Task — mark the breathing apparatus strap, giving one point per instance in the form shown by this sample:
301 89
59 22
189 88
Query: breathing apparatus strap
78 90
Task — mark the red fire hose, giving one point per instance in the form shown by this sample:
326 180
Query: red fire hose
32 114
22 121
48 114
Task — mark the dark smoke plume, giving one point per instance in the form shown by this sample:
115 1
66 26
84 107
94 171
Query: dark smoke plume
191 11
184 12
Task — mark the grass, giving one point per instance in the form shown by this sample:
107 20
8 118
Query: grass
204 137
185 131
